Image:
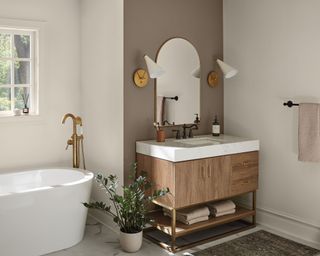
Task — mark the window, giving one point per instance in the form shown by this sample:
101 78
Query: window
18 74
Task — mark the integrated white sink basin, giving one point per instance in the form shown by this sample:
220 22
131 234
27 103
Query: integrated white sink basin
196 148
199 141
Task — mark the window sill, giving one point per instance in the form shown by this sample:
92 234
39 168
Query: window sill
10 118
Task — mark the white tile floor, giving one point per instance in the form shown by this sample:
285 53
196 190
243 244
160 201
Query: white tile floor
101 241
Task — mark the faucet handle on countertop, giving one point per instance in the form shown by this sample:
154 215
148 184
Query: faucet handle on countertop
197 120
178 136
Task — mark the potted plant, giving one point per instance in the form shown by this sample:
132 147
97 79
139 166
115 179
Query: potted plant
129 210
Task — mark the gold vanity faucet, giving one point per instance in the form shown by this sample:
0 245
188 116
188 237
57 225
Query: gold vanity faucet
75 138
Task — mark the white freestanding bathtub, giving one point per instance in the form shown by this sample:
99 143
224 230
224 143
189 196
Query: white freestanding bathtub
41 211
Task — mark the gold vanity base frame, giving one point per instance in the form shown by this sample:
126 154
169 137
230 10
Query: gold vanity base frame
169 247
175 229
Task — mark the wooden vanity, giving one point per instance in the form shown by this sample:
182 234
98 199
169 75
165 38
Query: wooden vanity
198 181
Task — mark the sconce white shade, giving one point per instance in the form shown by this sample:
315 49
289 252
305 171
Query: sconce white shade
154 69
196 73
227 70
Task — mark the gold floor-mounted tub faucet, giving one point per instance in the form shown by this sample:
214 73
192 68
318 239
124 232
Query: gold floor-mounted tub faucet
76 140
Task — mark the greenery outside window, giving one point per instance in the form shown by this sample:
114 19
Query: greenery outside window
18 74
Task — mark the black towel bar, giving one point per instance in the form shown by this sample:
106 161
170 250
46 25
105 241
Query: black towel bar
176 98
290 104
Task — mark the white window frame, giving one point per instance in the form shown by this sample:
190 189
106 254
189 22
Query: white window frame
34 68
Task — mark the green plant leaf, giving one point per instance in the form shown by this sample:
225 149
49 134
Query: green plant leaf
130 207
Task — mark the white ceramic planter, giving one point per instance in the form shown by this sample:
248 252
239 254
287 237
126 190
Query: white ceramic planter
131 242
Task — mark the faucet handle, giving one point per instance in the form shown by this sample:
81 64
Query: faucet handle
178 136
69 142
197 120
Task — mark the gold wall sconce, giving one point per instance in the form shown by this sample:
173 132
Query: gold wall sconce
141 76
213 79
227 70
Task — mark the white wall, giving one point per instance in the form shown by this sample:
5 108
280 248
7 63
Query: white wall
96 40
102 86
275 45
34 142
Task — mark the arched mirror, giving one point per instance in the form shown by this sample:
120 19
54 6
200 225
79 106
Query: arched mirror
178 90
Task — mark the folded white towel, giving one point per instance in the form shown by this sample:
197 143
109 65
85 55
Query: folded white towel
190 214
189 222
225 213
222 206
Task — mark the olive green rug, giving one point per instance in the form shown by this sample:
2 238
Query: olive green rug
260 243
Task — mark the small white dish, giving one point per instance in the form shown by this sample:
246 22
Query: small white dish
17 112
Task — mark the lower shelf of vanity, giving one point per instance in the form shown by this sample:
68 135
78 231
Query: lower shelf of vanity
163 223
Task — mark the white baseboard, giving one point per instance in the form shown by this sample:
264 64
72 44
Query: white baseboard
104 219
289 227
281 224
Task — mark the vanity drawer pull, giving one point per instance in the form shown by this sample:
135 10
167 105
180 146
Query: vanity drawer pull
209 172
203 173
246 164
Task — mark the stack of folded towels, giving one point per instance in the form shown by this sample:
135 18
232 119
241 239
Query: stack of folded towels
222 208
190 216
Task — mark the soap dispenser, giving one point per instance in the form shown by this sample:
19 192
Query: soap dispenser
197 120
215 127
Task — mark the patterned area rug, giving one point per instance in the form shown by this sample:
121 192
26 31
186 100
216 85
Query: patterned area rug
260 243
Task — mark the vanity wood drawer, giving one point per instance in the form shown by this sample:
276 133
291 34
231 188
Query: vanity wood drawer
244 165
244 174
245 160
242 186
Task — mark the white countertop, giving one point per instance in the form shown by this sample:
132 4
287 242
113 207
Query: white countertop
202 146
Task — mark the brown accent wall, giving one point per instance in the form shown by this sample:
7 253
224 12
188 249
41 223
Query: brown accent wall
147 25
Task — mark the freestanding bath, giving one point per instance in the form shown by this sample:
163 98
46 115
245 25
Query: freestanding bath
41 211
